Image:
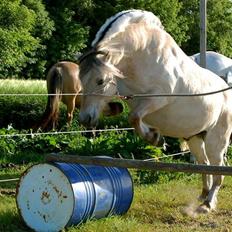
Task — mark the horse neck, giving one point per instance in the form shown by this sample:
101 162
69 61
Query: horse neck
136 37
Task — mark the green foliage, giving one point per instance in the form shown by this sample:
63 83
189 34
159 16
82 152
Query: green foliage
71 34
35 34
167 10
15 47
42 32
14 107
24 26
219 26
219 20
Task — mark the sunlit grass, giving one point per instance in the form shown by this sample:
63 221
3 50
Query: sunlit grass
22 86
155 208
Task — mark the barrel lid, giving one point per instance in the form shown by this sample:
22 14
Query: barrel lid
45 198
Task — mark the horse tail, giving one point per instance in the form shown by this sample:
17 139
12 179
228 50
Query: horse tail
54 88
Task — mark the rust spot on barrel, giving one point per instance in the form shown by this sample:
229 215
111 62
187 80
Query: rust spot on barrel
45 198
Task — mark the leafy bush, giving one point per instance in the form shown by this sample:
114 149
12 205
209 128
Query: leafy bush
219 20
24 27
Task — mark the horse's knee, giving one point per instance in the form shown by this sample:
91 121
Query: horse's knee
133 118
69 118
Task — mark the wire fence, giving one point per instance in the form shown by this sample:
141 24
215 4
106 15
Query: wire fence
124 97
103 130
152 159
9 180
65 132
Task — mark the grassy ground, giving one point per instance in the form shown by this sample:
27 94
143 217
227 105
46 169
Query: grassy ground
156 207
13 107
22 86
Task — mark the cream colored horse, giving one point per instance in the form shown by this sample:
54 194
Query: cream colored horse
217 63
132 52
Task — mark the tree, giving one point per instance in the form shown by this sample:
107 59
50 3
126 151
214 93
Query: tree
24 25
71 33
167 10
219 21
42 31
35 34
219 26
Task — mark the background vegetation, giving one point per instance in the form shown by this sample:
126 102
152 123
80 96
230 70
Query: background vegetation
34 34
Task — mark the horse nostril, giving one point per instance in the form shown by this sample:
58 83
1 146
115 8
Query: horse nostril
88 120
85 119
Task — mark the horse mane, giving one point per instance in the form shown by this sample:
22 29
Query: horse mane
119 23
93 62
103 46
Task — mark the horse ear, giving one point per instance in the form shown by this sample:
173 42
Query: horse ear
116 72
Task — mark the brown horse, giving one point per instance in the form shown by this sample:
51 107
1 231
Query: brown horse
62 80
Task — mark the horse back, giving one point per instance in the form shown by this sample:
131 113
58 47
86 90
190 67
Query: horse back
69 73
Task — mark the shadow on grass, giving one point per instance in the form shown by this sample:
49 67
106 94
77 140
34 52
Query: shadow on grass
12 222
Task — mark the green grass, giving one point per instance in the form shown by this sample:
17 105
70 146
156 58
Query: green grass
22 112
154 208
14 86
13 108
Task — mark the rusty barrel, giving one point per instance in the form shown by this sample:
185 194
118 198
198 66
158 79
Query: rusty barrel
51 196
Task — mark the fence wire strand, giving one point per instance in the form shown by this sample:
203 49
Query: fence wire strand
121 96
103 130
65 132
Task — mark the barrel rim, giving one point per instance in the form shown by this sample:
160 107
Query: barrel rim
24 174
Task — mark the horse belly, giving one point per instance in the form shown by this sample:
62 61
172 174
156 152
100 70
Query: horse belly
184 118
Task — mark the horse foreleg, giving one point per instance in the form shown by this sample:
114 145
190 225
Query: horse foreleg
151 135
70 109
143 108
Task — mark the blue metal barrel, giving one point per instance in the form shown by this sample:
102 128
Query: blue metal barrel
52 196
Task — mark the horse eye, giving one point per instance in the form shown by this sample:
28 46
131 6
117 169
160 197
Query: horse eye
100 82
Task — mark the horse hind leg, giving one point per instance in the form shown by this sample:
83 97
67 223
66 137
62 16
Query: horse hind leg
54 119
197 147
216 143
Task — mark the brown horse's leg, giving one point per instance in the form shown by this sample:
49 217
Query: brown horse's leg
70 109
55 115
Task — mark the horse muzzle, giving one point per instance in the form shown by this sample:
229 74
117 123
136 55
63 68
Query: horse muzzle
88 120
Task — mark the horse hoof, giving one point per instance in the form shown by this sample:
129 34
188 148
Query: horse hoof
201 198
153 137
203 209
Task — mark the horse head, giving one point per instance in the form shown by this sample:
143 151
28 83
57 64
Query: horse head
99 67
98 78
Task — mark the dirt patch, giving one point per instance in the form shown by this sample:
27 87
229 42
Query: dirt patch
7 192
9 165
